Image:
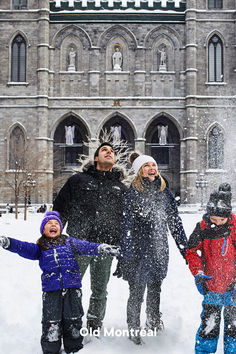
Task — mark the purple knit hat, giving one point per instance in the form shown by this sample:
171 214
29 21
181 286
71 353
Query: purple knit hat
48 216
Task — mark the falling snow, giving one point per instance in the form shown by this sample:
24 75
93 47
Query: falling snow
21 301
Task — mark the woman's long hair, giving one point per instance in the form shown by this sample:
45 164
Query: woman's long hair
138 181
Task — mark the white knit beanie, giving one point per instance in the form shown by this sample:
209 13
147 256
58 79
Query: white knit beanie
140 160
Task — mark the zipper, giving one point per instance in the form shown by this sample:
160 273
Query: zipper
58 265
223 249
225 244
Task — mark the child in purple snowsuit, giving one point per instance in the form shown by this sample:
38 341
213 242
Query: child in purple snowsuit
61 282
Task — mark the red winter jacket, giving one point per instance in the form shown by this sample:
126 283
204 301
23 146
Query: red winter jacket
213 251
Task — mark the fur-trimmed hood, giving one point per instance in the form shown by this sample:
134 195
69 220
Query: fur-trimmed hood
117 172
122 152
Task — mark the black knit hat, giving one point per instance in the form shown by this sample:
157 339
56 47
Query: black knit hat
103 144
220 202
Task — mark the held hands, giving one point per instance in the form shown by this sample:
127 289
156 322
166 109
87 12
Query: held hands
200 280
4 242
108 250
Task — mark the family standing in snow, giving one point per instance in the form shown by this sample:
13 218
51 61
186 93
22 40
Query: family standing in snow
103 214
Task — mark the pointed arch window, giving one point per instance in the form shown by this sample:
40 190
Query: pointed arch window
216 148
16 149
18 61
215 4
20 4
215 51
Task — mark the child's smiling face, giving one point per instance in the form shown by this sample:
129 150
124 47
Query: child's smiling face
52 228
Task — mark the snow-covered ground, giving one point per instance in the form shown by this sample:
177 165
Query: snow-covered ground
20 301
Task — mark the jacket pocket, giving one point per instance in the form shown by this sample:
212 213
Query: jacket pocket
48 275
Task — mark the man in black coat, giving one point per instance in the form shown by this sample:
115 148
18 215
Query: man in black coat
91 203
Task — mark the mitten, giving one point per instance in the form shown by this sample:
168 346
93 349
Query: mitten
108 250
118 272
200 280
4 242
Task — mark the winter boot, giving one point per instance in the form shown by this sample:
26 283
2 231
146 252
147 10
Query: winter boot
94 327
94 324
154 323
134 336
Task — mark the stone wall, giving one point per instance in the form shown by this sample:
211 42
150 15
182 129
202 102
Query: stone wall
140 93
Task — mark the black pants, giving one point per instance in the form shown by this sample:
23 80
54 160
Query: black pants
62 318
136 293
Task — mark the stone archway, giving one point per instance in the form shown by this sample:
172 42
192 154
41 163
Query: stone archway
121 127
69 138
163 143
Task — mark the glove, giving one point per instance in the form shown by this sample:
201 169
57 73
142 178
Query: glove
4 242
108 250
118 272
200 280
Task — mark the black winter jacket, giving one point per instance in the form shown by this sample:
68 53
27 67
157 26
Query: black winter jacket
91 203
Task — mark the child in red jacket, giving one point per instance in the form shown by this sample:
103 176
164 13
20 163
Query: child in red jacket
212 260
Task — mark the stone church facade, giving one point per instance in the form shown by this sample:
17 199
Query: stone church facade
161 74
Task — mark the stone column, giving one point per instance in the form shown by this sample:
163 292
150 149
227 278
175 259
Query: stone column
94 72
188 176
44 143
140 73
139 144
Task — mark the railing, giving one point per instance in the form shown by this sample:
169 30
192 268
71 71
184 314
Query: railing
119 3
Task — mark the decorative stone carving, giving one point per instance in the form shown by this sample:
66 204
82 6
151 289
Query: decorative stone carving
69 134
116 132
162 134
117 59
163 57
72 56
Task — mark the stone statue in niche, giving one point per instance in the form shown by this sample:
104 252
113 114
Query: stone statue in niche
116 133
69 134
72 57
163 57
117 59
162 134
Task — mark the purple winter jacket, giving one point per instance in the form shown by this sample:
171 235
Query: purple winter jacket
60 269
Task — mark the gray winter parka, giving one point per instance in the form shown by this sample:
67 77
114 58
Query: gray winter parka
144 240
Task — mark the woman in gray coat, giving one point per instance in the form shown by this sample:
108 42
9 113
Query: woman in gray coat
149 210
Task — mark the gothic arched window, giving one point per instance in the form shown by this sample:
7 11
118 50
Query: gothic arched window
16 149
216 148
19 4
215 51
18 61
215 4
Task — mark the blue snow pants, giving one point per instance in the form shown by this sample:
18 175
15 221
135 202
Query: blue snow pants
209 330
